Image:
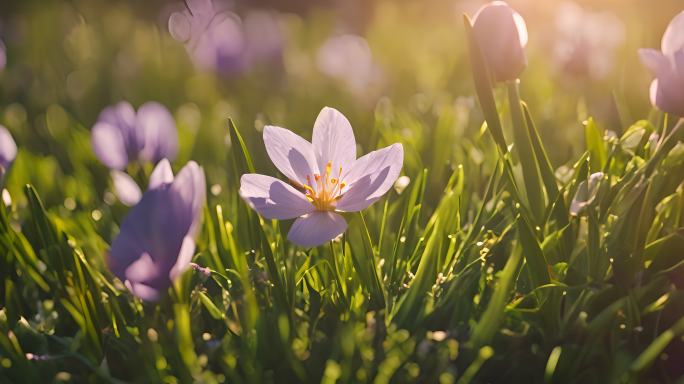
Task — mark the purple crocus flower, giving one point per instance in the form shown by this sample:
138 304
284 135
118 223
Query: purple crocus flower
501 33
218 40
348 58
667 66
122 135
212 36
8 151
157 238
325 178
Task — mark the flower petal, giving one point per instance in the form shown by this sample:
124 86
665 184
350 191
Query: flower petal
109 145
156 227
159 133
667 90
185 255
501 34
669 95
179 26
673 38
125 188
291 154
142 269
143 291
371 177
653 92
272 198
8 148
316 228
190 184
200 7
678 64
161 175
155 243
586 193
655 61
521 26
122 116
333 140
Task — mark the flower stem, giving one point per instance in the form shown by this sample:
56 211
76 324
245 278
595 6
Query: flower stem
528 160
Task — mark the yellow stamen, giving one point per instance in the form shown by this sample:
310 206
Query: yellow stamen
325 189
309 190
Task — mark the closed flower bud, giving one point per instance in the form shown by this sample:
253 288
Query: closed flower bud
501 34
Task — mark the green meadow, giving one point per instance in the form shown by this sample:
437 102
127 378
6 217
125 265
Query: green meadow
522 220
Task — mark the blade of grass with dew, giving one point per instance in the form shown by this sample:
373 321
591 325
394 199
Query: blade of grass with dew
493 316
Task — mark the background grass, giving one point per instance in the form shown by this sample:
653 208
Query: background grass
461 277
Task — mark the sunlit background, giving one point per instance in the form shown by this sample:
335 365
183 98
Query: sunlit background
397 69
80 56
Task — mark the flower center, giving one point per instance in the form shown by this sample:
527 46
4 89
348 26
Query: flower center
323 191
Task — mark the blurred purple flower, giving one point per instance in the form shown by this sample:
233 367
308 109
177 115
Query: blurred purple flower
326 178
8 151
667 66
348 58
218 40
157 238
121 135
586 41
128 191
263 37
125 188
501 33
